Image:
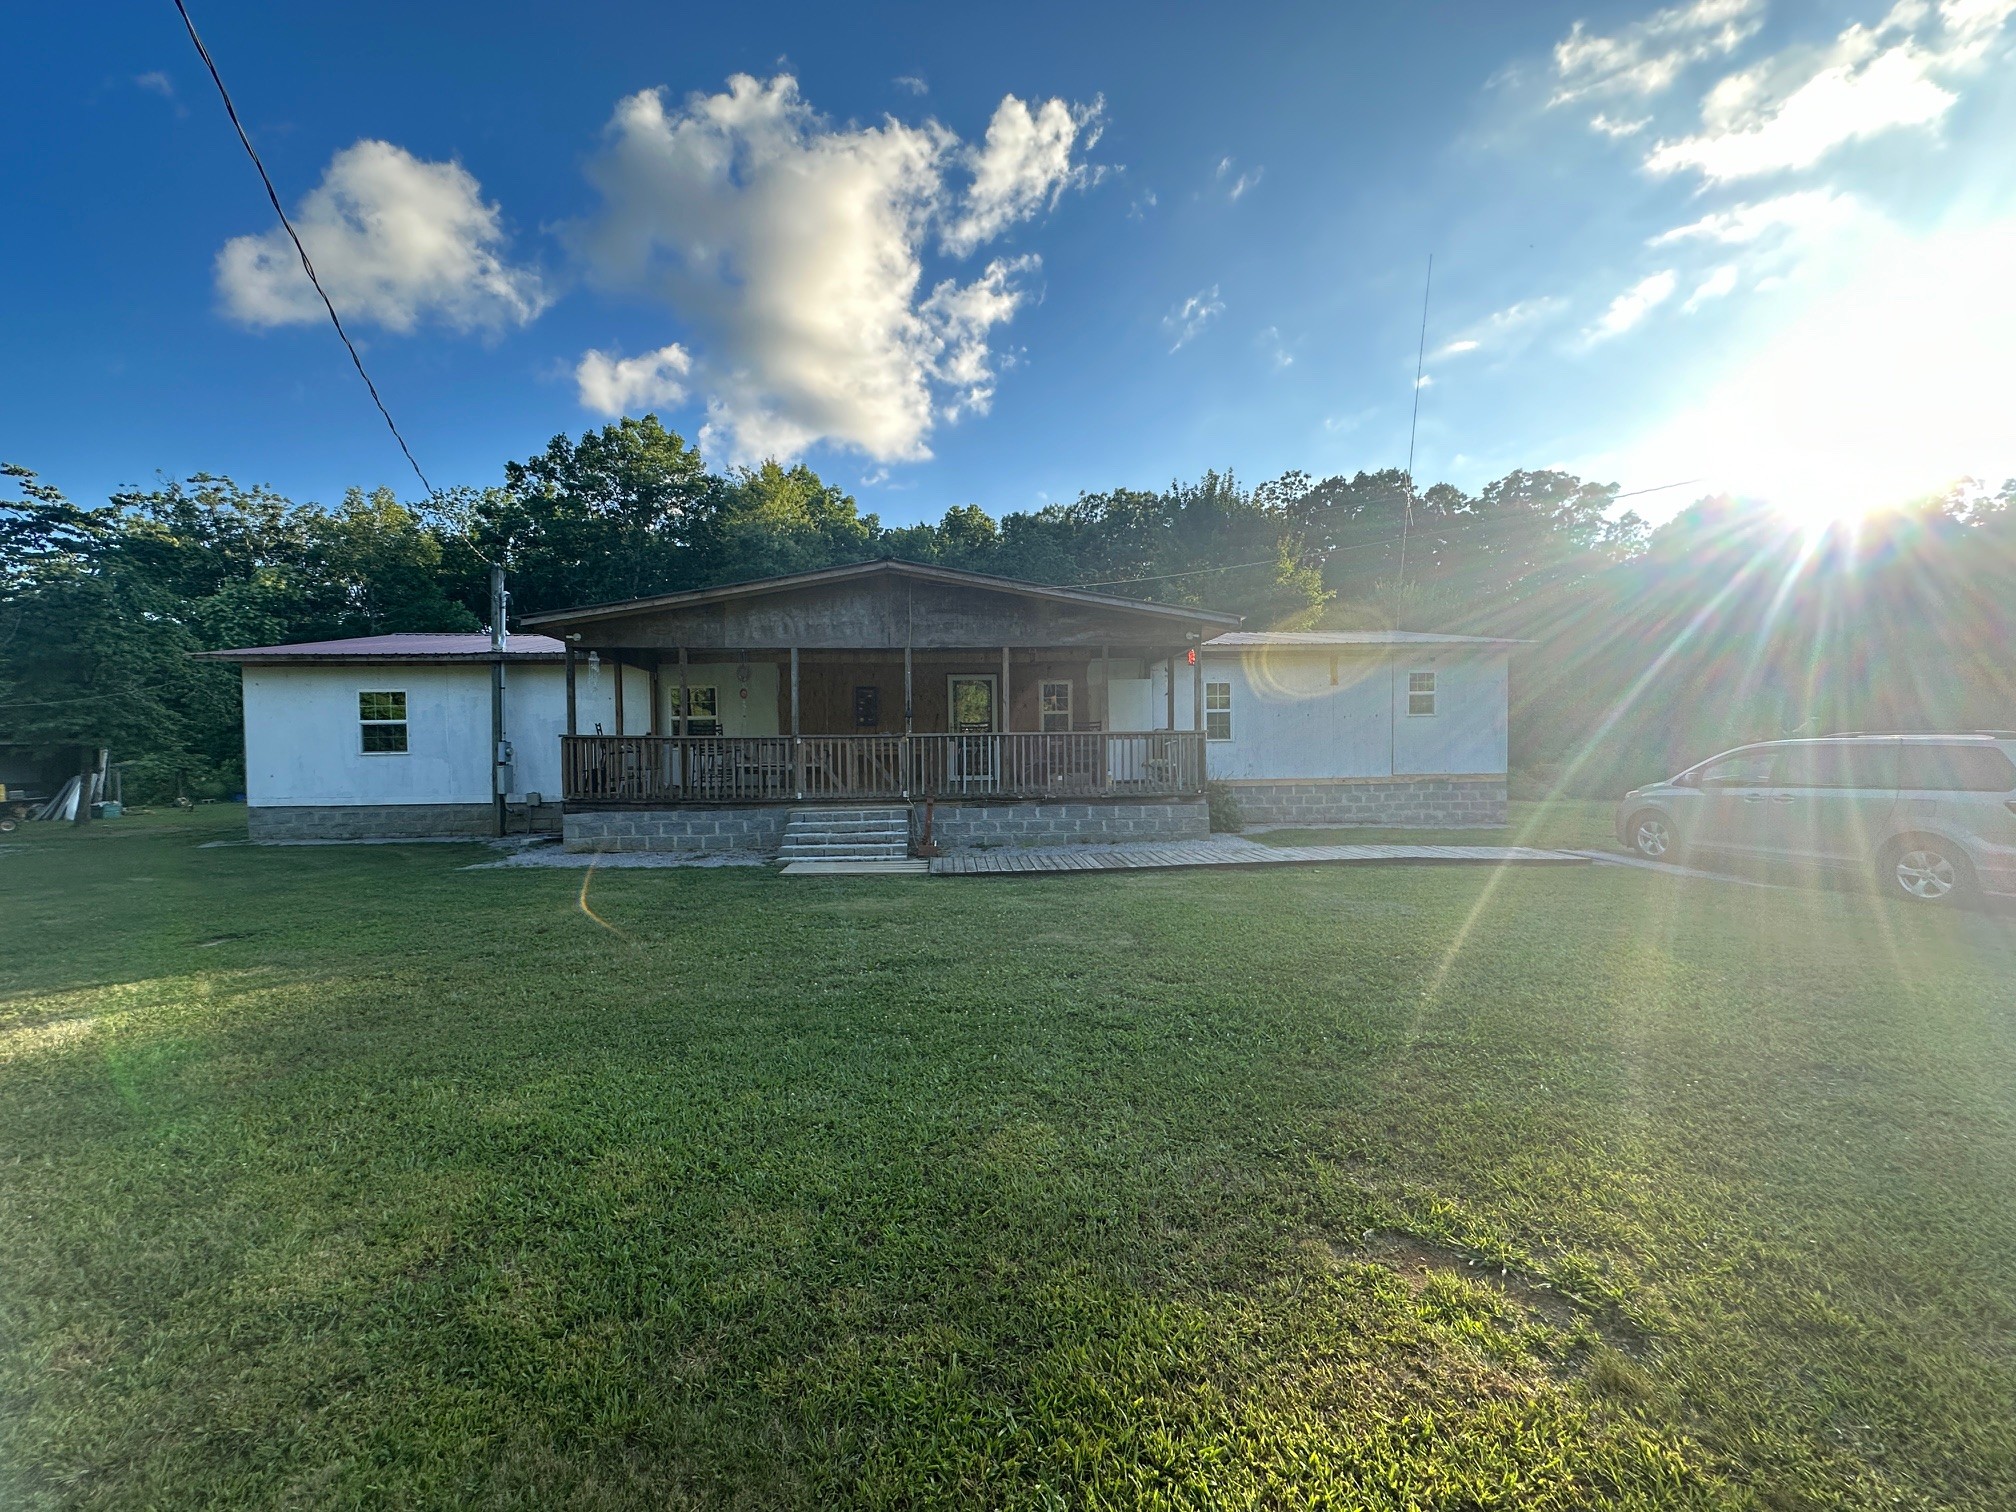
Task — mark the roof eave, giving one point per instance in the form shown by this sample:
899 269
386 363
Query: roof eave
957 577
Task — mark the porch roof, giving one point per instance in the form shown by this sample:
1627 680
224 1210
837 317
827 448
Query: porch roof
884 604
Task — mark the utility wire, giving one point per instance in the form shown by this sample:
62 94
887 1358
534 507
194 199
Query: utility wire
307 266
1413 425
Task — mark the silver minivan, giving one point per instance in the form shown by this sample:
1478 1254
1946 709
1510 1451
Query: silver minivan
1933 815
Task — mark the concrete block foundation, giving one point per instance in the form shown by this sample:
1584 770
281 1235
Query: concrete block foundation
694 831
370 821
973 826
1387 802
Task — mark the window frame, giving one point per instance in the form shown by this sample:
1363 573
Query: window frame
1211 713
1045 713
403 723
713 692
1414 691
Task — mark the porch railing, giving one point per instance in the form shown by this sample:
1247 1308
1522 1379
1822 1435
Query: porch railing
648 770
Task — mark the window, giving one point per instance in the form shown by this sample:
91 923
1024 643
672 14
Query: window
1744 769
1056 708
1870 764
381 724
703 711
1420 692
1217 711
1956 769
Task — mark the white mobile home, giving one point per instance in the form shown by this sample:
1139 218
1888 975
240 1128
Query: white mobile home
1026 714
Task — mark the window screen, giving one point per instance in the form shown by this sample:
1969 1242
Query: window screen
1217 711
1420 692
1863 764
1956 769
381 723
1056 708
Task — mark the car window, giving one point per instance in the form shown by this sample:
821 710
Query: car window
1862 764
1956 769
1744 769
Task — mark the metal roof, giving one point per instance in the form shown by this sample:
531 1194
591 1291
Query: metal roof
1319 638
472 647
956 577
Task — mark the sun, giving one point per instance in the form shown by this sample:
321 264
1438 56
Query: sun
1882 379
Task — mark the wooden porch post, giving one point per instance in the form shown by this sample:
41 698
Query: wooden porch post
797 742
909 766
573 725
617 663
1197 711
1007 698
679 718
657 694
1170 722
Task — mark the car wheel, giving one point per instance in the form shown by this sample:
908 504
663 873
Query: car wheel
1651 835
1924 870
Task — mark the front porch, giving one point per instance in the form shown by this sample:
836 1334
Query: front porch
893 684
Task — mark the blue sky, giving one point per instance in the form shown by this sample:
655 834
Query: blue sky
954 256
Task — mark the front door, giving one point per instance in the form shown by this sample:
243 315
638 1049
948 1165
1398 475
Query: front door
975 764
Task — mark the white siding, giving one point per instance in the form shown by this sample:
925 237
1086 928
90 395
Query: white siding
1289 720
302 744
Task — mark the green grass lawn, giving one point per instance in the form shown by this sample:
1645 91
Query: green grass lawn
345 1176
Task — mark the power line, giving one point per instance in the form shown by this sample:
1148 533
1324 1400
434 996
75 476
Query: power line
307 266
1413 425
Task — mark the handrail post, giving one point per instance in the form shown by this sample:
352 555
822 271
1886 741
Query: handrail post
798 767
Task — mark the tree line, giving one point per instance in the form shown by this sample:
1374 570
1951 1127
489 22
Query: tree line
1649 648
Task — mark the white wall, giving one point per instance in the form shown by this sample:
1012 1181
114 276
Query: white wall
302 737
1290 720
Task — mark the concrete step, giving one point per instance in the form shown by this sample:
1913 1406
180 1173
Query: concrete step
848 826
857 869
841 852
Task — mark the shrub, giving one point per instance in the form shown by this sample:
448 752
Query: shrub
1224 806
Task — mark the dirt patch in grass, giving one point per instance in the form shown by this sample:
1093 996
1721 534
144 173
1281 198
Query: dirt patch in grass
1414 1259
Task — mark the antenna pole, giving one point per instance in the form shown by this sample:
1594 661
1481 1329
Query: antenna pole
1414 425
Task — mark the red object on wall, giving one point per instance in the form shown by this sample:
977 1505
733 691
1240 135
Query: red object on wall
1190 656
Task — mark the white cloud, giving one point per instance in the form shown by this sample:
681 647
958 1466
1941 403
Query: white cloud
1237 183
393 239
1505 329
156 82
1646 57
1803 211
1793 109
1191 316
1270 341
612 385
793 247
1616 129
911 84
1633 305
1024 164
1716 285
